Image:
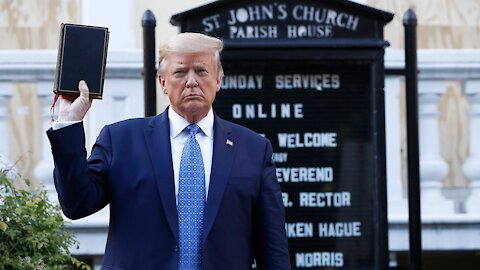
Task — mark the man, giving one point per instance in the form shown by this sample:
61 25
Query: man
187 190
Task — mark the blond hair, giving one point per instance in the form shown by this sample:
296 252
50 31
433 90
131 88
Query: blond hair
191 42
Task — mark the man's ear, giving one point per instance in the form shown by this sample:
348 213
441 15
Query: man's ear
162 84
219 83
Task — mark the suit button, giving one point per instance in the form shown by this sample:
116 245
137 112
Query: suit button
176 249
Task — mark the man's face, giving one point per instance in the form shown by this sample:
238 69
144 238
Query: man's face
191 82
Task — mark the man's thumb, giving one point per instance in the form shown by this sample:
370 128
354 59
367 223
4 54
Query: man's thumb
83 88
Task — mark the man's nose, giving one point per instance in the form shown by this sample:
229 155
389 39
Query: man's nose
191 80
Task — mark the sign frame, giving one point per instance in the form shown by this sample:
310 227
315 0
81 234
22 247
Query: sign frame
374 57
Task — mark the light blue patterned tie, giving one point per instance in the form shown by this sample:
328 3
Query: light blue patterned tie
191 203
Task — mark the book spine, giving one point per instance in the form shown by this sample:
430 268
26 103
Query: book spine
56 83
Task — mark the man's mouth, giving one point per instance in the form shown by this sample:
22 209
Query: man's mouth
192 97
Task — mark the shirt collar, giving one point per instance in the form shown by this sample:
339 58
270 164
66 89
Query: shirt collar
178 123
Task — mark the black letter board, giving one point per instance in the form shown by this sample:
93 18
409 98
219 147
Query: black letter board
309 75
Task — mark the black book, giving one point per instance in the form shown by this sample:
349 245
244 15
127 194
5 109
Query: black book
82 55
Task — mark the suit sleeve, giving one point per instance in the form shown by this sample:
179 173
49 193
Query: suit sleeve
270 240
81 185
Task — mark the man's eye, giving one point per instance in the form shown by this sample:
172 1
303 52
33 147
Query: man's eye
178 72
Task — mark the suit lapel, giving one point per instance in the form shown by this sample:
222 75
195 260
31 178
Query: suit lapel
157 136
223 154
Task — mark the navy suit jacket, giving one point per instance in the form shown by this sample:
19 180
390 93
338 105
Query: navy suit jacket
131 169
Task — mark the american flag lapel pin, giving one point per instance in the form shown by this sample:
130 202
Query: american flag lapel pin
228 142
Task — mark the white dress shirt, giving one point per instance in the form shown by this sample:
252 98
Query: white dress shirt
178 139
58 125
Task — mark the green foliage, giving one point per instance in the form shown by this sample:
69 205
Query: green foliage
32 231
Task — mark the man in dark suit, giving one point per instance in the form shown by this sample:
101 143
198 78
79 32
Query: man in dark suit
158 218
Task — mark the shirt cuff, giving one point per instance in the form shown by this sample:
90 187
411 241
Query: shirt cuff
58 125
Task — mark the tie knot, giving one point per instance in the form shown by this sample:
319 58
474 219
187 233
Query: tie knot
193 129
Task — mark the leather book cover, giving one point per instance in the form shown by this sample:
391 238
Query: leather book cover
82 55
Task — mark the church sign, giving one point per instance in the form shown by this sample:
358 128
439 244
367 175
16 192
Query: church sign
308 75
261 21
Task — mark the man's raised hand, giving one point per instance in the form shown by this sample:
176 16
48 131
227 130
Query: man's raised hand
74 109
